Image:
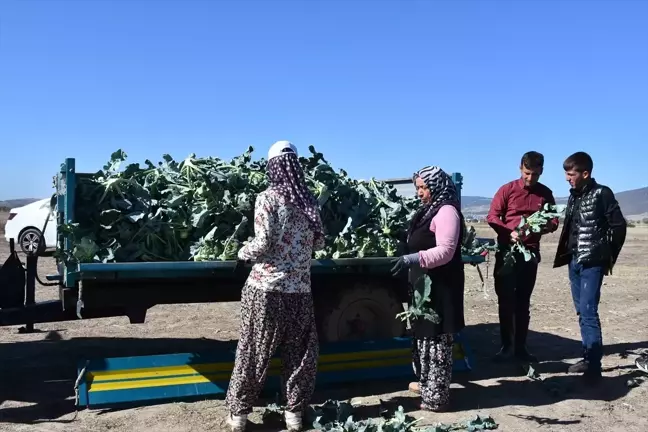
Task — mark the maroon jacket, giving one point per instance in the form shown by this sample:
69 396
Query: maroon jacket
511 202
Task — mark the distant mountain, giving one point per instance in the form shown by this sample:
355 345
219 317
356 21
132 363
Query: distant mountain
475 206
634 204
9 204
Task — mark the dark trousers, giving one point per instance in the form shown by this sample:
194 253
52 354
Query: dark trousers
586 292
514 288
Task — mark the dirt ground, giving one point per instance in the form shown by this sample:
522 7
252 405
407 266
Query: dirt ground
37 371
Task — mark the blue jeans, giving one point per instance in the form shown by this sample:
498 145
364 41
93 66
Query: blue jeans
586 292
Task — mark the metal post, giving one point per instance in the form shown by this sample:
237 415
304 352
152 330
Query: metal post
30 292
66 196
457 179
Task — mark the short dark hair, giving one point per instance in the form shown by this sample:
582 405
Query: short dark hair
579 162
532 160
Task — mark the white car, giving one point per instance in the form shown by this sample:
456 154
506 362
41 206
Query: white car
26 223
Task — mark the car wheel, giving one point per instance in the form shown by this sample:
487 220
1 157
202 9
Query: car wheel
30 241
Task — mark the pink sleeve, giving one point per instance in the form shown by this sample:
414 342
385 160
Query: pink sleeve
446 226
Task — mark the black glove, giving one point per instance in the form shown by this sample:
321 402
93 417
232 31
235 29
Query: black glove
399 266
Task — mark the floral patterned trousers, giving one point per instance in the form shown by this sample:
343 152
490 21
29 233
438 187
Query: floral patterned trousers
432 363
272 320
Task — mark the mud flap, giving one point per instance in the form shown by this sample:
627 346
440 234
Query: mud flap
12 281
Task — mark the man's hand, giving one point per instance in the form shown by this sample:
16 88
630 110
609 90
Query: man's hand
515 237
550 227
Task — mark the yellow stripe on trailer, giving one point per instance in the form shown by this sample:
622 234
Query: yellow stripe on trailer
206 373
183 376
169 371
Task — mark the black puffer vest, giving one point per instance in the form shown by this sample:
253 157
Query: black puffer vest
585 233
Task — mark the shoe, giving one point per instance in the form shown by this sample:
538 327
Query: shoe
414 387
580 367
237 423
642 363
504 354
293 421
524 355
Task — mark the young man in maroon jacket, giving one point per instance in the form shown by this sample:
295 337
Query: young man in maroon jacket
521 197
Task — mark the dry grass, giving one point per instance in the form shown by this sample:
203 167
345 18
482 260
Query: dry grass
3 221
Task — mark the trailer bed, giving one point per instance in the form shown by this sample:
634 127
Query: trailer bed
199 269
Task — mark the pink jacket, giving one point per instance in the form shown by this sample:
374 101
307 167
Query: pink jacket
446 225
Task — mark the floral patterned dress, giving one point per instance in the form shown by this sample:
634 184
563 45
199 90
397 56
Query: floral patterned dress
282 247
277 307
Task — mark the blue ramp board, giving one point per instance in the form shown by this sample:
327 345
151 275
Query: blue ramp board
120 380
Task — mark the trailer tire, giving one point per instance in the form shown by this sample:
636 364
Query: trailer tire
364 311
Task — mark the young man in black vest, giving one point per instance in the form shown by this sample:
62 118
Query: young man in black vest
591 240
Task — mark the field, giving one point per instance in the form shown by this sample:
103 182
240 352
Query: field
37 370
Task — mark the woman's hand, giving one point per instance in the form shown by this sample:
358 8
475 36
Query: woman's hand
404 263
399 266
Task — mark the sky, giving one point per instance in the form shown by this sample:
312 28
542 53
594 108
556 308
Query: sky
382 88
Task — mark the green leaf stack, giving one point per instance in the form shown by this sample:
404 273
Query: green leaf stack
203 208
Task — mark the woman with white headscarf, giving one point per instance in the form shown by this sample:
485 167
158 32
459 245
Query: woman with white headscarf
276 302
434 243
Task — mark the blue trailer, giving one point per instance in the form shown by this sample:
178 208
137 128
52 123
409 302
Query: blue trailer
356 303
355 299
